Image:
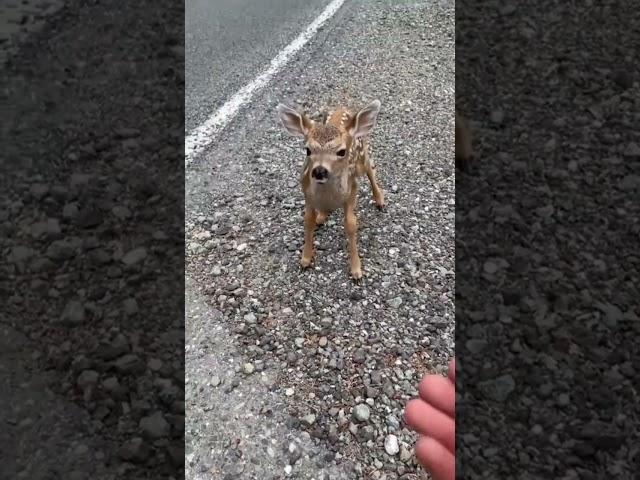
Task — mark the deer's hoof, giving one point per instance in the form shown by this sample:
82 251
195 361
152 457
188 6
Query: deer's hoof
305 263
356 276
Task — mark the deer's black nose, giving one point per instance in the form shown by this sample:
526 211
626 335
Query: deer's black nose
320 173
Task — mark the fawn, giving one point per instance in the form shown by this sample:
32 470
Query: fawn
338 153
464 152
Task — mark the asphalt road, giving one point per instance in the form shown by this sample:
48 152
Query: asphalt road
228 41
278 361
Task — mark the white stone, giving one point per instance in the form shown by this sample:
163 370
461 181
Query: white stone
391 445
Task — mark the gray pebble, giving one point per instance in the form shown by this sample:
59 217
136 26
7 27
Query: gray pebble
20 254
248 368
393 423
308 419
110 384
395 302
128 363
564 400
154 364
87 379
154 426
361 412
73 313
499 388
405 454
134 256
130 307
134 450
360 356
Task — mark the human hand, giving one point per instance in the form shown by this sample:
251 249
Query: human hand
433 417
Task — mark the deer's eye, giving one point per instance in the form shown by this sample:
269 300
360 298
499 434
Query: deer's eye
342 153
308 152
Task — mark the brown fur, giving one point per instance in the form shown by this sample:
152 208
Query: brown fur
342 131
324 133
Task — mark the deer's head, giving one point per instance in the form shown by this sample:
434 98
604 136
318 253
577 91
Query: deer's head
328 145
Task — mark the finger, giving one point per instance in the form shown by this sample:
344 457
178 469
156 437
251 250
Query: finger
452 371
439 392
431 422
439 461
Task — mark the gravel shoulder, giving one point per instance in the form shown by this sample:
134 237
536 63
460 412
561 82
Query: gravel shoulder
43 433
91 270
547 231
234 409
347 357
21 18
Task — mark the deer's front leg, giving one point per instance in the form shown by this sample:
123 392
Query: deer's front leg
351 229
309 226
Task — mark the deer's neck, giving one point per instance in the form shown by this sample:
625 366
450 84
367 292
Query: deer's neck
331 195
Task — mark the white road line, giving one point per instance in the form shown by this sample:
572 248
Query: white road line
203 135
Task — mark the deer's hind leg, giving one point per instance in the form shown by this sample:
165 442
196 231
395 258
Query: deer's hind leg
370 170
351 229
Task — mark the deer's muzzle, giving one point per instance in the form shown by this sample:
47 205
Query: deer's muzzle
320 174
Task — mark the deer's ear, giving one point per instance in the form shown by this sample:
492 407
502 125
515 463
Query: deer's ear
295 123
362 124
